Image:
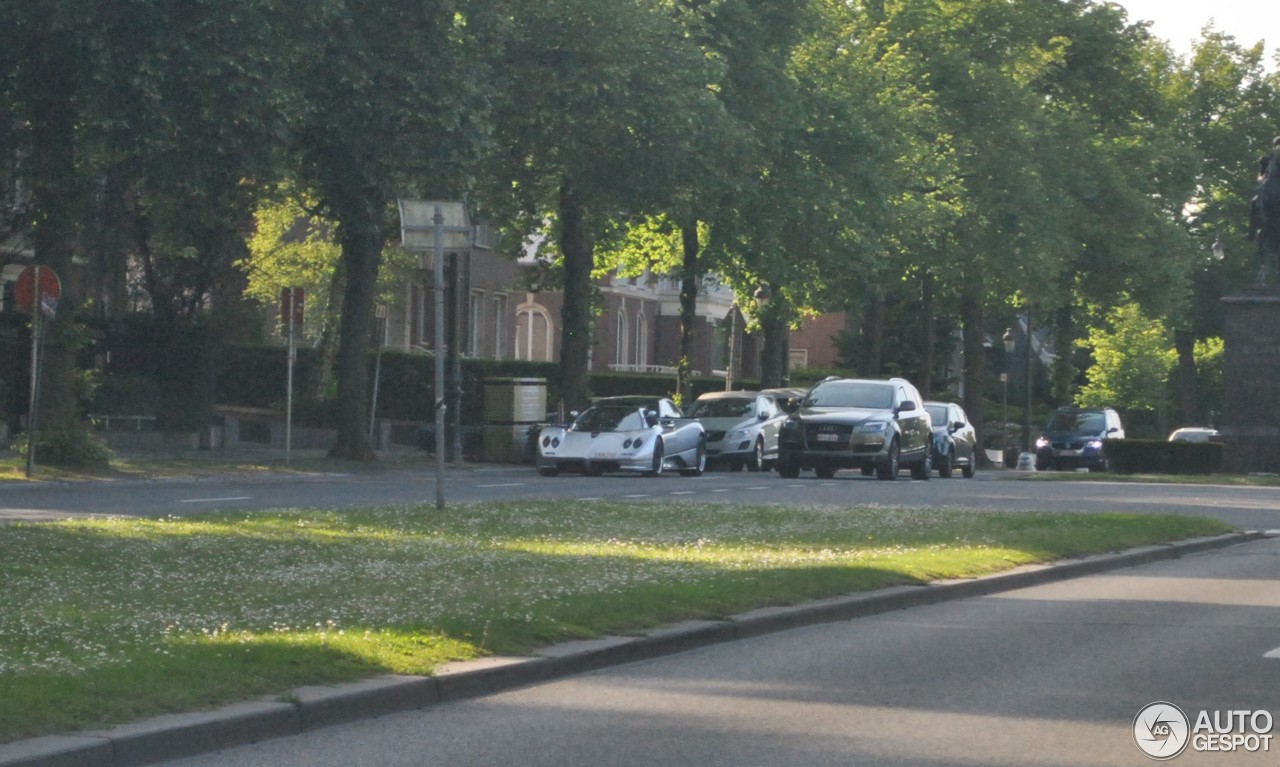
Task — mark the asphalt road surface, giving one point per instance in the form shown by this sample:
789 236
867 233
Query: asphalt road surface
1246 507
1050 675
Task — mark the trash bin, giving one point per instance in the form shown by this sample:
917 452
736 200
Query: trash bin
512 406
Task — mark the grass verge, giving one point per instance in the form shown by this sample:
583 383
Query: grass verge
110 620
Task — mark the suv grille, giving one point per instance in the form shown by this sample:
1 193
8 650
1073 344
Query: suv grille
827 436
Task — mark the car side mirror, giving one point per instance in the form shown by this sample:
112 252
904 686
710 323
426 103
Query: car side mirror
957 426
793 404
906 405
651 417
762 416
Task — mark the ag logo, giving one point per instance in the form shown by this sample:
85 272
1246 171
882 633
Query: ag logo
1161 730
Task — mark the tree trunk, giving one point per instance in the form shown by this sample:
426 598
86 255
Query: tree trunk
1184 341
321 377
873 336
361 244
688 311
930 336
975 365
47 84
773 352
575 316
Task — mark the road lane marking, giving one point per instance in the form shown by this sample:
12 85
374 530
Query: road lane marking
598 498
216 500
762 487
637 495
682 492
719 489
505 484
1273 654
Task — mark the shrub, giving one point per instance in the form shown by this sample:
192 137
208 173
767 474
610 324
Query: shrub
70 448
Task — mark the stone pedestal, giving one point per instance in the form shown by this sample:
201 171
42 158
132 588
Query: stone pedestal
1251 380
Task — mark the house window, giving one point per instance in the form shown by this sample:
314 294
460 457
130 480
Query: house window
499 326
533 334
475 323
799 358
620 338
642 340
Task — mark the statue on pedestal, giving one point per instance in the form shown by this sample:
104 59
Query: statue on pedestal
1264 213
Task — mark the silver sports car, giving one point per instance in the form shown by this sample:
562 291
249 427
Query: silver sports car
647 435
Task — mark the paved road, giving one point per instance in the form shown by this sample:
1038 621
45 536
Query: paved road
1245 507
1050 675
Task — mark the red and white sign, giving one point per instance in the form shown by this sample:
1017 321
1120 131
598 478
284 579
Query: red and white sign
50 289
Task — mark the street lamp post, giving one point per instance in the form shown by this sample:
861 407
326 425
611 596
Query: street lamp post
1009 342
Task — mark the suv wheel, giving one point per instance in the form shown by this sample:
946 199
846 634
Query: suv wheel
825 472
889 469
789 470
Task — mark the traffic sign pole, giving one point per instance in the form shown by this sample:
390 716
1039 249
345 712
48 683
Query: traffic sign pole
33 406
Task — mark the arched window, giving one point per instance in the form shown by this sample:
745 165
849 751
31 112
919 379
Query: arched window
620 337
642 340
533 333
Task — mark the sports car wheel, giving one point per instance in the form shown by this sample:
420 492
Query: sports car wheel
699 460
757 456
945 465
657 460
889 469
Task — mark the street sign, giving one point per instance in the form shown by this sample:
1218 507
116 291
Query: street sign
291 305
24 290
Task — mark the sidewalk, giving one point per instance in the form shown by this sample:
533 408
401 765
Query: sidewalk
308 708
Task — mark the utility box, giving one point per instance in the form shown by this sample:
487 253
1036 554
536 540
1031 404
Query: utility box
512 408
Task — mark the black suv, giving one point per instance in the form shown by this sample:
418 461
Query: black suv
848 423
1073 438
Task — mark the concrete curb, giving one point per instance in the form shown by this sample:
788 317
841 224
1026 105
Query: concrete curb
173 736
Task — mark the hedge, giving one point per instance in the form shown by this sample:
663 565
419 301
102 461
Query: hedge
1153 456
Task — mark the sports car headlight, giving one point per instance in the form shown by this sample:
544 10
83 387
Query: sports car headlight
872 427
555 442
546 441
635 443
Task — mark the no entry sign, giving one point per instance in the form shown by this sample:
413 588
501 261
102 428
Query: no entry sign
24 291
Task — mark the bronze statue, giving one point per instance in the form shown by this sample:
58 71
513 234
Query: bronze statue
1264 212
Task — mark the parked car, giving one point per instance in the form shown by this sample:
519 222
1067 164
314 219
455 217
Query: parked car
742 426
1194 434
955 442
876 426
1073 439
647 435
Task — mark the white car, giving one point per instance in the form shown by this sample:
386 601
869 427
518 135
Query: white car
645 435
742 426
1194 434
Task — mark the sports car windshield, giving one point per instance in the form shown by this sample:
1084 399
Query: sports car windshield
606 418
723 408
875 396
